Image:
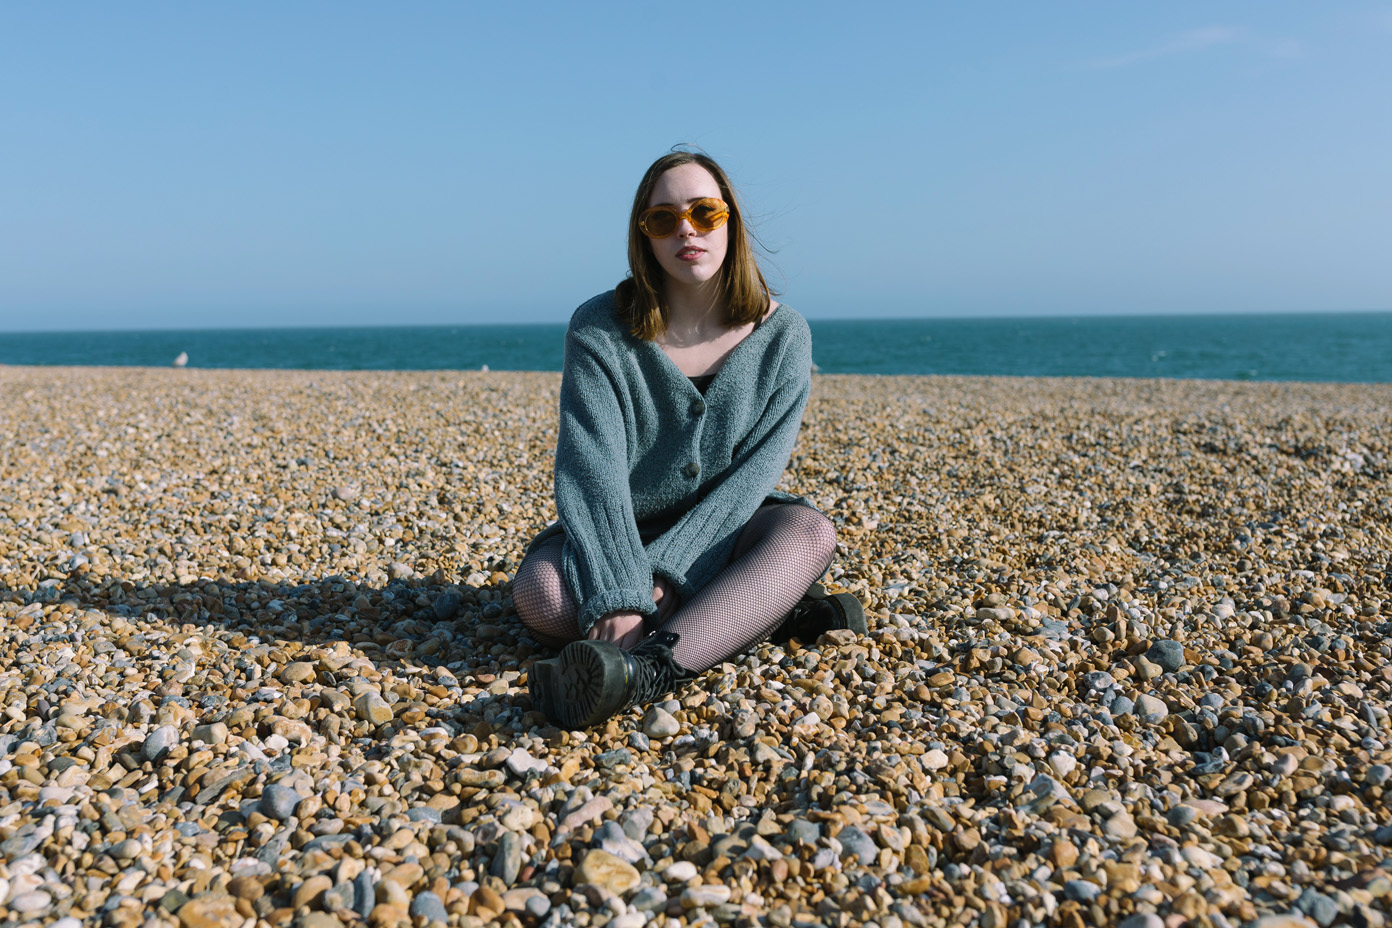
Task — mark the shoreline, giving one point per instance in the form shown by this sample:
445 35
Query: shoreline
1128 656
1385 386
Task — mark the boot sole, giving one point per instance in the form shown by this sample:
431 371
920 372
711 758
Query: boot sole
852 612
543 679
593 683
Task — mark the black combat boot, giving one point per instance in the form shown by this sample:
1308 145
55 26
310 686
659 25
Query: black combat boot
593 680
818 612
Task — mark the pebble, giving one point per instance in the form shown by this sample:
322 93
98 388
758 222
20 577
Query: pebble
159 743
682 871
649 899
1151 710
1098 680
320 920
1283 920
31 903
1062 764
1142 920
507 860
214 734
1166 654
371 707
278 802
210 911
705 896
298 672
659 724
607 871
521 763
1321 908
447 605
429 906
854 841
340 896
220 587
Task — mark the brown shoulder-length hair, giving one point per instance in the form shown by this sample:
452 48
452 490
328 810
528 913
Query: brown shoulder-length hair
639 297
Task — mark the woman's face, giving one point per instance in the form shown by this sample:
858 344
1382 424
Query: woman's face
689 257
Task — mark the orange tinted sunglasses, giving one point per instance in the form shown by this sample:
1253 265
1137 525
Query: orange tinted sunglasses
705 215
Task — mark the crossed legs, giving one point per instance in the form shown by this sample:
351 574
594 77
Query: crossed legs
781 551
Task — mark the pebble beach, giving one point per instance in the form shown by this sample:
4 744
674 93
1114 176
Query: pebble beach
1129 664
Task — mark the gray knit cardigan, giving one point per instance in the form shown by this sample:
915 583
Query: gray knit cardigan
652 478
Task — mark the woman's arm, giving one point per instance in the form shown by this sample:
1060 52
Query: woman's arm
603 561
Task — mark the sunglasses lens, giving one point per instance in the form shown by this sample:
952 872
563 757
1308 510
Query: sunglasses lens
659 222
709 214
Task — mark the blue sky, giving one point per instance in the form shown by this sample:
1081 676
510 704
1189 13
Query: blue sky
200 165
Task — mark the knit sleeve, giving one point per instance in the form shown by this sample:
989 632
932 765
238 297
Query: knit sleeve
699 545
603 561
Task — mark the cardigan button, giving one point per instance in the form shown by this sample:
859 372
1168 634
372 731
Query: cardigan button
692 469
698 407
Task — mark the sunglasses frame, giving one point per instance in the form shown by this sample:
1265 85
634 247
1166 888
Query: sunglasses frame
680 214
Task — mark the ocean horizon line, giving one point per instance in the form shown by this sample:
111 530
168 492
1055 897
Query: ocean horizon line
962 317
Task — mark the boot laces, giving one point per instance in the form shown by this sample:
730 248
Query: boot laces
655 672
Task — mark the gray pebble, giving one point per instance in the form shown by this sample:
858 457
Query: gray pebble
1081 890
1180 816
619 757
364 893
507 860
158 743
1318 906
446 605
854 841
1167 654
1143 920
1098 680
1121 706
429 906
649 899
636 823
278 802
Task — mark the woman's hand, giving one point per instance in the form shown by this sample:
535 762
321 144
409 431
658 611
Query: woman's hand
624 629
666 599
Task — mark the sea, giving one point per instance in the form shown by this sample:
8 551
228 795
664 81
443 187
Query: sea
1339 347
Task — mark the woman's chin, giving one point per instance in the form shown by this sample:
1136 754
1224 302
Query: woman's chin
692 276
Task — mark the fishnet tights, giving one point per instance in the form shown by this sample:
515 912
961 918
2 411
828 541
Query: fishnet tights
781 551
539 593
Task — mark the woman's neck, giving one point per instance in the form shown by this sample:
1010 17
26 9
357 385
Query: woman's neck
695 312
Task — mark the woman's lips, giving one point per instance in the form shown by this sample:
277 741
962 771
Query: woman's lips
689 254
